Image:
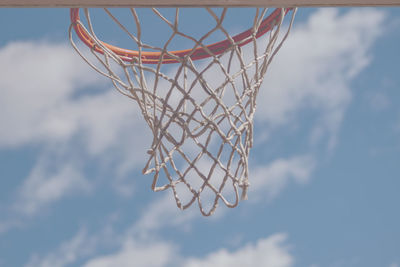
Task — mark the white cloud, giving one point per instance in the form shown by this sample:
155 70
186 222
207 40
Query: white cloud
270 180
272 251
44 186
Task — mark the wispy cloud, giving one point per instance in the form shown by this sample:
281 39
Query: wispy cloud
272 251
9 224
43 186
161 213
134 253
268 181
68 252
315 67
378 101
128 250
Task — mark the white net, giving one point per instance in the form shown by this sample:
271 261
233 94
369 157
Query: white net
200 112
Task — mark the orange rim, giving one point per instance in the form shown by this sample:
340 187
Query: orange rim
195 54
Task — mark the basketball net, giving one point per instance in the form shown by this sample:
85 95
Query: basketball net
200 113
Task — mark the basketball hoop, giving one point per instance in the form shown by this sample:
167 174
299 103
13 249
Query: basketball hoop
201 114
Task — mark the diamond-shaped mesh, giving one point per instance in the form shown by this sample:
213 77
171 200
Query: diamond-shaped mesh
200 112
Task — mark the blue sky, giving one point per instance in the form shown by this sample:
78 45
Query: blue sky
324 170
